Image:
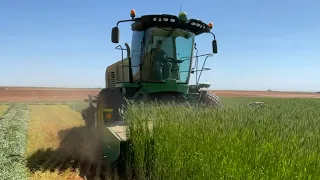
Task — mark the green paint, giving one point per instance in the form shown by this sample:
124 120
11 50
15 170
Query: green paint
110 145
168 85
130 85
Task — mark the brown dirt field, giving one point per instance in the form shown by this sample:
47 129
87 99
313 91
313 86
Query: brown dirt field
31 94
27 94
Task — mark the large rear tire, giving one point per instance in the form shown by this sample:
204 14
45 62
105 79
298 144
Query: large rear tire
209 99
110 98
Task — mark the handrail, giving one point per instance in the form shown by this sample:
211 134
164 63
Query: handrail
196 70
119 47
209 55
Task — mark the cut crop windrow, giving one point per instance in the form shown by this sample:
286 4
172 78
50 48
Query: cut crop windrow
13 138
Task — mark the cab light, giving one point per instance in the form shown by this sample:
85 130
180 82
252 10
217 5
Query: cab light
133 13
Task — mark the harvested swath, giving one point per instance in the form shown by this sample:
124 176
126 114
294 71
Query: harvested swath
43 140
13 127
60 146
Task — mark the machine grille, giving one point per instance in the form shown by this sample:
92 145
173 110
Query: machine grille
112 79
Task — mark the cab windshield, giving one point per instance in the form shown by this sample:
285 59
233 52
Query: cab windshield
167 57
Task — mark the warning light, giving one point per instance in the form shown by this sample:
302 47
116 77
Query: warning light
210 25
108 116
133 13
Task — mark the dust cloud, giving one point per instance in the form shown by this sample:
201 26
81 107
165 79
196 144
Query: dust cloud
80 143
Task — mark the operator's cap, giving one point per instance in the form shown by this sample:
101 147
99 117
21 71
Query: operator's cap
159 42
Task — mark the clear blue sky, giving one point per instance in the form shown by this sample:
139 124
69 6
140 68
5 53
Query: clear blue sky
262 44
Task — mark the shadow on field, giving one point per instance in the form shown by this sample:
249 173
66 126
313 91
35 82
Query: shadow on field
79 149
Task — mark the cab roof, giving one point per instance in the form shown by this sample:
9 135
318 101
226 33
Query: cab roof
166 20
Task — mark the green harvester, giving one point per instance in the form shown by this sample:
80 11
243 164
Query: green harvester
158 66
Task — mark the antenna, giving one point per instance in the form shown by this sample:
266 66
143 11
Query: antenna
180 8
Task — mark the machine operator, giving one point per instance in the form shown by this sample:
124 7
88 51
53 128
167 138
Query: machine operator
162 65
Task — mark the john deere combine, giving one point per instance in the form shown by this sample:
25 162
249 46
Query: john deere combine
157 66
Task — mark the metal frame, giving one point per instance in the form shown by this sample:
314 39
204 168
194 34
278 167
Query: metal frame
119 47
202 68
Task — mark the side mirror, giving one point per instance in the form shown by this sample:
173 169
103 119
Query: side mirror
115 35
214 47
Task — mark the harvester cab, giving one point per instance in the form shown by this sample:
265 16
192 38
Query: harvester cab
158 65
161 52
159 61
